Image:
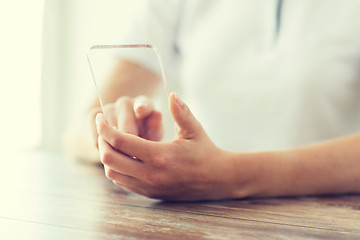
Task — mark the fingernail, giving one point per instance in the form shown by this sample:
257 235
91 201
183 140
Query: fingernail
179 101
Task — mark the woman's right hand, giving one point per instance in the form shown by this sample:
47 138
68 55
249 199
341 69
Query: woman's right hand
137 116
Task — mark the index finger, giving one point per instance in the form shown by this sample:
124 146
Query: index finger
118 161
143 107
127 143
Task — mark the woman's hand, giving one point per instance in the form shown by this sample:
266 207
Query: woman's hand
131 115
189 168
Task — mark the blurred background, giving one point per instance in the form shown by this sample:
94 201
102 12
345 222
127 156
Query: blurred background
46 82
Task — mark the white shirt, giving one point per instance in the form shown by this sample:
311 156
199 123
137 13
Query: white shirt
253 89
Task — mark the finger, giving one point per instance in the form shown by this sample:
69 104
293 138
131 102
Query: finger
127 184
189 127
143 107
110 114
127 143
119 162
93 129
118 177
126 121
154 127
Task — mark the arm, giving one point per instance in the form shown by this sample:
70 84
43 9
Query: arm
331 167
192 168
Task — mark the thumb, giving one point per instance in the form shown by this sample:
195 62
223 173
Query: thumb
189 127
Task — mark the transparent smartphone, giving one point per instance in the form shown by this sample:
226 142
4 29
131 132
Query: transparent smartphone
139 69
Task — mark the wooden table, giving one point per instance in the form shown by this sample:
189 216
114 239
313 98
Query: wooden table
49 196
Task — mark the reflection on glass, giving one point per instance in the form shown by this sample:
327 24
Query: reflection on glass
138 72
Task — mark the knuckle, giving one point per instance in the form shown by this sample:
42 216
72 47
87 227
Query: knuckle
107 158
125 100
142 98
161 160
115 141
110 174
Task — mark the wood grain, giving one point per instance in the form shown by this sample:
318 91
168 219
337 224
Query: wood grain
50 196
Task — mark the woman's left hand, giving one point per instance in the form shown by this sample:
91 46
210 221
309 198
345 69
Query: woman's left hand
189 168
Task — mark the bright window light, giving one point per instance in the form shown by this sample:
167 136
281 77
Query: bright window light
20 74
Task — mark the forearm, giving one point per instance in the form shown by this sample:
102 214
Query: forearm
331 167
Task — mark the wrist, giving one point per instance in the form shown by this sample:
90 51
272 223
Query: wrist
260 174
